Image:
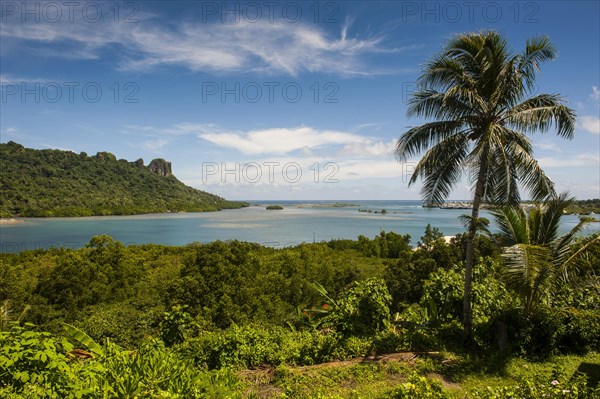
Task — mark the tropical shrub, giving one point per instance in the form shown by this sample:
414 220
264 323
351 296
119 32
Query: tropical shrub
547 332
418 387
364 309
39 365
253 346
577 388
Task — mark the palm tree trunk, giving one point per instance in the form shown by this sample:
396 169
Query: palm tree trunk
470 254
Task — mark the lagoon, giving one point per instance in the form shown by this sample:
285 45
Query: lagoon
298 222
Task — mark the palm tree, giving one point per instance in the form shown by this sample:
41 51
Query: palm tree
534 253
480 95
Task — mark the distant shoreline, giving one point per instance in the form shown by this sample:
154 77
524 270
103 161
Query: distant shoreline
579 207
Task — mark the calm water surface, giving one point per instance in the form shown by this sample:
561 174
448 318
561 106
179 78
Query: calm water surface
290 226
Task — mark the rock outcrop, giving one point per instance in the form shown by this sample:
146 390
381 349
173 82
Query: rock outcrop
160 167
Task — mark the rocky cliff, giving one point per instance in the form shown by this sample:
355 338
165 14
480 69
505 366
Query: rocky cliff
160 167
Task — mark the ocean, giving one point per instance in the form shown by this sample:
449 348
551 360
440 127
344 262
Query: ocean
299 222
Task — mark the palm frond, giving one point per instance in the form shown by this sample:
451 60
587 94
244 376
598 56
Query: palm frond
481 223
430 103
502 187
441 168
540 113
443 72
566 264
512 223
531 175
550 218
510 89
537 50
420 138
527 268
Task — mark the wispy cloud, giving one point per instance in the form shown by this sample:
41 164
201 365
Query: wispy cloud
595 93
265 47
13 133
548 146
590 124
577 160
6 79
154 145
178 129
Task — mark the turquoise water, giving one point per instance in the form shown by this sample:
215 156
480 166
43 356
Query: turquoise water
290 226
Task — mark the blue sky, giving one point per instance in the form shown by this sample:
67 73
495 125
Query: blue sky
273 100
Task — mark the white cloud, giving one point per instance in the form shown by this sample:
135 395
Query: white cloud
271 47
595 93
179 129
590 124
281 140
54 147
578 160
548 146
6 79
292 171
318 154
369 148
305 139
154 145
15 134
371 126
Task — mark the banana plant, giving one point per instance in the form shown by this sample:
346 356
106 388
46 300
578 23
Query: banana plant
80 336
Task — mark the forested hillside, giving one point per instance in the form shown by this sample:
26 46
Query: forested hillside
61 183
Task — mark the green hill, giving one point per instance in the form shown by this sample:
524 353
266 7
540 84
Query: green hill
61 183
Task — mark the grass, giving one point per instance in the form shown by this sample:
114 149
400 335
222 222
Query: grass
376 377
559 367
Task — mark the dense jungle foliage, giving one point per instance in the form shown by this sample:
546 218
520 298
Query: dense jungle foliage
44 183
111 320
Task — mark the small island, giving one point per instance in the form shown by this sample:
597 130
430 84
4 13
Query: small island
274 208
383 211
327 205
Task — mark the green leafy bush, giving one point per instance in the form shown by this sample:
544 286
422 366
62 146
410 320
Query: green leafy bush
38 365
255 346
419 388
581 331
177 325
34 361
364 309
539 388
548 332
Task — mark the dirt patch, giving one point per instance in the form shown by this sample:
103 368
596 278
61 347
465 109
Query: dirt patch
260 381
